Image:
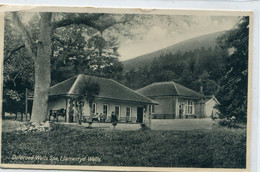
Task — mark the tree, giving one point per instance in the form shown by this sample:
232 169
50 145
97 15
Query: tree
68 54
88 90
18 71
232 93
208 85
76 51
193 69
103 27
40 51
39 47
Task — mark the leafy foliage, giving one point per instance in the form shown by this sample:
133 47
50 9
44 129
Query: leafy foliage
74 49
18 71
88 90
192 69
232 93
77 53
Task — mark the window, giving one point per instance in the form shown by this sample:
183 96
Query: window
94 108
152 108
128 113
105 109
189 108
117 111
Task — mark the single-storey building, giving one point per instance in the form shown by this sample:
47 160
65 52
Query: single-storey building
127 104
208 106
176 101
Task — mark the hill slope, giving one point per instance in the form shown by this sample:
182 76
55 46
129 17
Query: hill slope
206 41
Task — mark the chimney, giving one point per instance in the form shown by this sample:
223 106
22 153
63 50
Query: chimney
201 89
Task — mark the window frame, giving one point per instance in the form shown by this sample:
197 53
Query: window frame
130 112
94 104
118 111
153 109
106 109
189 107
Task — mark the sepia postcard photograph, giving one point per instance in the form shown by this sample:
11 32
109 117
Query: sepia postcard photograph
122 89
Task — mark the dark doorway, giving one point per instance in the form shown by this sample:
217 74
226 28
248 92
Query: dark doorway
70 117
140 111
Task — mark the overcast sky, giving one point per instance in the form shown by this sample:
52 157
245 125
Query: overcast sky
159 36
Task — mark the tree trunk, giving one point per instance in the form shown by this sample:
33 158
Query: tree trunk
3 112
42 70
80 113
91 113
70 111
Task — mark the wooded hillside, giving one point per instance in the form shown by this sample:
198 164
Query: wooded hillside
200 67
204 41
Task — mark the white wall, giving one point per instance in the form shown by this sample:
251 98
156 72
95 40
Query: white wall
111 107
57 103
209 108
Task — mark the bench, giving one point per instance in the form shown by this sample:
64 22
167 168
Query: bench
190 116
133 119
122 119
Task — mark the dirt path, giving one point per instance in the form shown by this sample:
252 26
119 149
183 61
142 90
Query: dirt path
182 124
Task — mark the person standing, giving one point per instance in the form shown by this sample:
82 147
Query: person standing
100 117
114 119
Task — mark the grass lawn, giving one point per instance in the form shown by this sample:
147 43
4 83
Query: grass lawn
219 148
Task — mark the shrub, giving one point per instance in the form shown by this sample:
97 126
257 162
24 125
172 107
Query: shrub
144 127
230 123
229 148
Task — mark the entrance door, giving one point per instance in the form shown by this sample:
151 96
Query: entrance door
117 112
71 117
140 111
181 111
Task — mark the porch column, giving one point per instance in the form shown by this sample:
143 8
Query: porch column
147 121
176 107
67 109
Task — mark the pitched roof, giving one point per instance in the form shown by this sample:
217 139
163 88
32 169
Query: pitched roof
168 89
208 98
63 87
109 89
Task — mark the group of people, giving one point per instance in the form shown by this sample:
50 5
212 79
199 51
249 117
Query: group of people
77 116
99 117
102 117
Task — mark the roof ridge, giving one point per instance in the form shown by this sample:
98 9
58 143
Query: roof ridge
74 84
62 82
134 91
191 90
174 84
161 82
78 79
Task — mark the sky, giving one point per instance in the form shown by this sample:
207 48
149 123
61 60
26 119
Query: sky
160 35
165 31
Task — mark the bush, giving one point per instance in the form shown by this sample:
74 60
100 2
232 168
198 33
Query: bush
144 127
230 123
223 122
229 150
